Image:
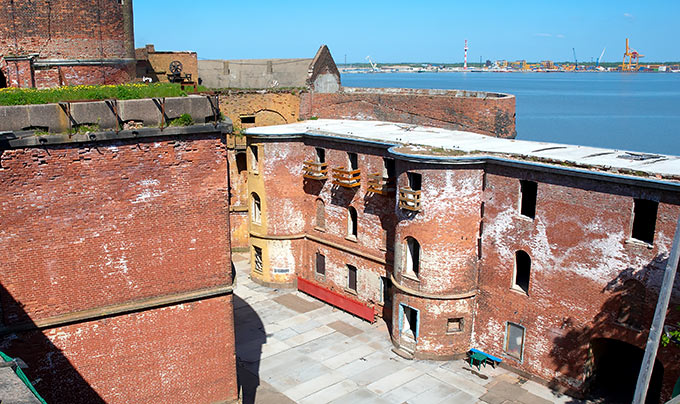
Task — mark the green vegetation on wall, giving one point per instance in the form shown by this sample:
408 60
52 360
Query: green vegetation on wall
25 96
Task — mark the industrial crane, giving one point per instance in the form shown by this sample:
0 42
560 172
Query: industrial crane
633 57
374 67
600 58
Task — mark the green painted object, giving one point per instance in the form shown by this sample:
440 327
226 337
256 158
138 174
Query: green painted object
23 377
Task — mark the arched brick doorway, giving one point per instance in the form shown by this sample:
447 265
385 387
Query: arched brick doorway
616 368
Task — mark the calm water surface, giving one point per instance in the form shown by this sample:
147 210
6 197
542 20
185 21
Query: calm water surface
638 112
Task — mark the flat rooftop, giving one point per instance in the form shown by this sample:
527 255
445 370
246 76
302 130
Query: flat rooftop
442 144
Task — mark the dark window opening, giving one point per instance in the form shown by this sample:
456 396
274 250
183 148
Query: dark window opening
454 325
389 170
351 278
528 189
522 271
320 155
241 162
410 324
415 181
320 264
256 214
353 161
644 220
3 80
386 284
352 222
247 119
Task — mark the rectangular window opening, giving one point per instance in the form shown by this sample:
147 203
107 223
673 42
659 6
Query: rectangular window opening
320 264
415 181
389 169
353 161
257 258
644 220
254 158
514 340
241 162
351 278
528 189
454 325
247 119
320 155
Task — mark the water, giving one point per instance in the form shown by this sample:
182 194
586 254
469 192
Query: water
639 112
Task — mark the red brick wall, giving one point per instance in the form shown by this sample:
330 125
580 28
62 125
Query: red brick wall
93 225
68 30
581 255
177 354
492 114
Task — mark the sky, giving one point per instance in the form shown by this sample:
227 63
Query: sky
412 31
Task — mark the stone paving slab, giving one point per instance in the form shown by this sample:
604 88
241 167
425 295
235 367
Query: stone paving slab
298 349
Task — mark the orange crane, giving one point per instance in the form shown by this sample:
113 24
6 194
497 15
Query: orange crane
633 57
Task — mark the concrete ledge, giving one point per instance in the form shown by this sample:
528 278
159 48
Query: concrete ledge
12 140
118 309
107 114
432 296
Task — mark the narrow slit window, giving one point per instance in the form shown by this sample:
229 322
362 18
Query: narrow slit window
644 220
353 161
351 278
522 271
320 214
528 191
256 208
254 158
352 228
514 340
257 259
320 155
415 181
320 264
412 248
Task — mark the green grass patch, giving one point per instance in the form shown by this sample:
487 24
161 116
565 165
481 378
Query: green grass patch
183 120
25 96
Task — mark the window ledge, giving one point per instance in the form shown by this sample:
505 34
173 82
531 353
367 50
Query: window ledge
517 289
321 229
351 292
411 277
640 243
525 218
352 239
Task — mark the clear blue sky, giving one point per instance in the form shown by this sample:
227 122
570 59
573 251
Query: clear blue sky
411 31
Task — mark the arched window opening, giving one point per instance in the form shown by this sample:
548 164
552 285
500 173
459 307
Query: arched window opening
256 208
320 214
352 222
522 271
412 253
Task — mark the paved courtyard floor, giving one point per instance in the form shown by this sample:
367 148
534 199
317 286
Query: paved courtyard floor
292 348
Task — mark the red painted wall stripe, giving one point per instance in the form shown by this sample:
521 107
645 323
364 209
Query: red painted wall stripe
336 299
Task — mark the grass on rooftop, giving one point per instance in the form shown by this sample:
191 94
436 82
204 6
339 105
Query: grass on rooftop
25 96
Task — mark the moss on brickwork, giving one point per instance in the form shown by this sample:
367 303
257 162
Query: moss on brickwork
20 96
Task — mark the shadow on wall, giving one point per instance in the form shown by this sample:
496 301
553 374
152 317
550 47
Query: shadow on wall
51 373
608 350
250 335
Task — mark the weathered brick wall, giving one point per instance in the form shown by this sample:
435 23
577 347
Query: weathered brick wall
176 354
101 225
271 108
70 30
485 113
581 255
448 255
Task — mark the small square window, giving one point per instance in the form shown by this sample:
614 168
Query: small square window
514 340
247 119
454 325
